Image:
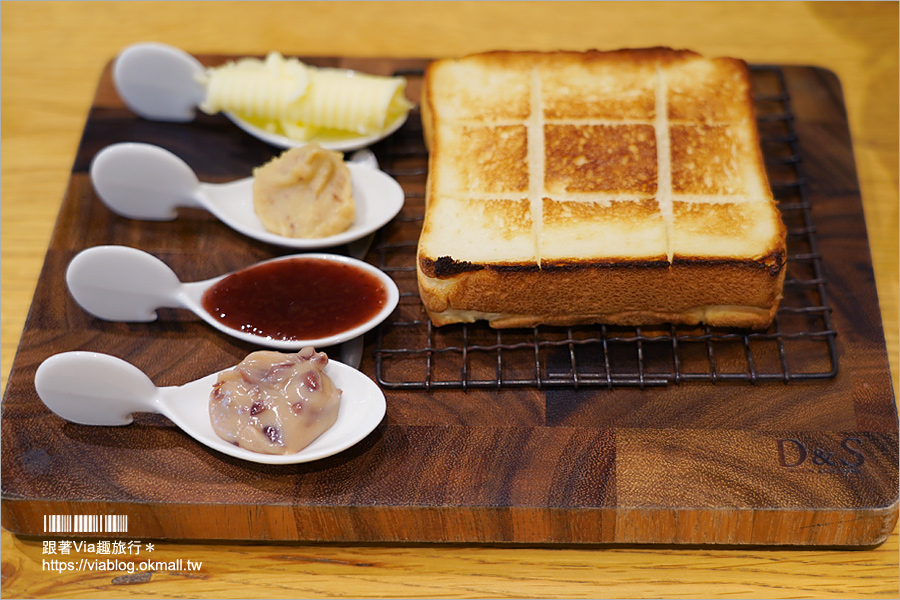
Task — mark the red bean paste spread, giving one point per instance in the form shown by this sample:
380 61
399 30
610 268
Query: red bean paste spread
275 403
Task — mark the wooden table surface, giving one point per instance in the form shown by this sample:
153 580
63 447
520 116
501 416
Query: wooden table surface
52 56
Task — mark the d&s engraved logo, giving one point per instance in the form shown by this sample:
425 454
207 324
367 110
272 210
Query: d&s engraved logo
846 458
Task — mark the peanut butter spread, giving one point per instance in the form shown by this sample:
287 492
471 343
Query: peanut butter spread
305 192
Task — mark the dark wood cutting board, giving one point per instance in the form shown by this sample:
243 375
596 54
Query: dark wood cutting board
797 446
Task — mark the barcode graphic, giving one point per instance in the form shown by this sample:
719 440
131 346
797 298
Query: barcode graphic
85 523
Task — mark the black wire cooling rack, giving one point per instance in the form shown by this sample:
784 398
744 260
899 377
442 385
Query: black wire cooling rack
799 345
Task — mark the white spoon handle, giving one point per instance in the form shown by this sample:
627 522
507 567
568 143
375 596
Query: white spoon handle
365 157
143 181
159 82
118 283
90 388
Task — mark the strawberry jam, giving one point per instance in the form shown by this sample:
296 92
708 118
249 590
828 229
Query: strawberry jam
296 299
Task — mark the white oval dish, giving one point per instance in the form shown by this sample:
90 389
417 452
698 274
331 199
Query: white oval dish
91 388
162 83
143 181
342 143
118 283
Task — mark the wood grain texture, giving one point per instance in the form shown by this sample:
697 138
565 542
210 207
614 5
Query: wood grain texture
803 463
45 106
452 571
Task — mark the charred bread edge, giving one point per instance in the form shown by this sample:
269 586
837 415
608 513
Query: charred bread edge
446 267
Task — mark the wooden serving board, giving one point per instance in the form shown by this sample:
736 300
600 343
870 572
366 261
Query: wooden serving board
811 462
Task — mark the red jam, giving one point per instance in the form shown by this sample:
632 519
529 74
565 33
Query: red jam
296 299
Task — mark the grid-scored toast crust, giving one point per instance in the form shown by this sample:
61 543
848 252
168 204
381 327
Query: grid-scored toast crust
621 187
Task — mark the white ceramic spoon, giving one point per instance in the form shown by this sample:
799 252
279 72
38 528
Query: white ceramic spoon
118 283
143 181
163 83
159 82
91 388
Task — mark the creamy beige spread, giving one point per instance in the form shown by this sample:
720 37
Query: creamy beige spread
306 192
275 403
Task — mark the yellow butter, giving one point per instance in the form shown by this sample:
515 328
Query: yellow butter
256 89
285 96
349 101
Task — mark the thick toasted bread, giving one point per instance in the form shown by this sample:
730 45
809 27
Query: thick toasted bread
622 187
